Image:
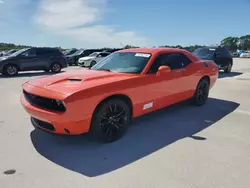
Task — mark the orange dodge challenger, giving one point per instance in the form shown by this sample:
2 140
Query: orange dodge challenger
102 100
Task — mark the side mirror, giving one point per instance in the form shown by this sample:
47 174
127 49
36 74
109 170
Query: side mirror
163 69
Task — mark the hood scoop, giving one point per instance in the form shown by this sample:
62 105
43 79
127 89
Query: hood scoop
75 79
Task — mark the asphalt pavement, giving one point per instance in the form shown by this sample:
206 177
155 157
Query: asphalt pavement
177 147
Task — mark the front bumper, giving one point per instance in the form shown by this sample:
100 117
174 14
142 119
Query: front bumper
84 63
56 122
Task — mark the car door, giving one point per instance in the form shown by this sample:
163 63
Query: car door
27 60
45 58
164 89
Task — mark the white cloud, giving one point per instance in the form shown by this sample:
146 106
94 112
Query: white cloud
1 1
77 19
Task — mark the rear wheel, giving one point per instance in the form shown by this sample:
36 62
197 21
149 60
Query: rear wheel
201 94
110 120
229 68
10 70
56 68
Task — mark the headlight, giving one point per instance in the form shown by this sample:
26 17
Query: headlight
60 103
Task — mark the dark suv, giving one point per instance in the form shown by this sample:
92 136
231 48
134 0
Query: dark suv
221 56
31 59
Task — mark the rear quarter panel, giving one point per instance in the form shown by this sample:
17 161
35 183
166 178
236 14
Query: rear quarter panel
198 69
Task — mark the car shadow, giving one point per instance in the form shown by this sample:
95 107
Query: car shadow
147 135
30 74
231 74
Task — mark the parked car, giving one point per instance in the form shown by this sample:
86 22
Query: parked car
238 52
30 59
245 54
73 59
220 55
92 59
102 100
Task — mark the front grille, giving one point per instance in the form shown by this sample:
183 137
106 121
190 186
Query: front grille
42 124
43 102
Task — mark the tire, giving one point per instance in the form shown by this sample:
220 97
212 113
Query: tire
56 67
104 126
92 63
229 68
201 93
10 70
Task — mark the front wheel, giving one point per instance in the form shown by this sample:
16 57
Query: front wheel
56 68
10 70
110 121
201 94
92 63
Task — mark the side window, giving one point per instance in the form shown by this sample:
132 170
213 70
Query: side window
39 51
226 52
177 61
220 52
159 61
29 53
173 60
103 55
87 52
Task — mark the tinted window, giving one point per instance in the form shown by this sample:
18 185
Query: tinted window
225 52
124 62
103 54
173 60
205 53
29 53
45 51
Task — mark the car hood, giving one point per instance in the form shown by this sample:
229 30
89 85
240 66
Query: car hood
74 81
5 58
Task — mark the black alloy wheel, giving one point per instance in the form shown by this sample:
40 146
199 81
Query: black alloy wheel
10 70
201 93
56 67
111 120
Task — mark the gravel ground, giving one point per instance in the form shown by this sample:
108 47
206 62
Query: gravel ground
177 147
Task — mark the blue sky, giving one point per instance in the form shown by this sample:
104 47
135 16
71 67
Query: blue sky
112 23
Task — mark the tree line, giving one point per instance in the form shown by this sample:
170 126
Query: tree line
232 43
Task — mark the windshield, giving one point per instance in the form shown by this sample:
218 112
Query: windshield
10 52
124 62
78 52
204 53
18 52
94 54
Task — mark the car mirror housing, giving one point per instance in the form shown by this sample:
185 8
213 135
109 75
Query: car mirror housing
163 69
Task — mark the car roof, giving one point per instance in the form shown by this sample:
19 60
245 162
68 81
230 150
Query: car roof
151 50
